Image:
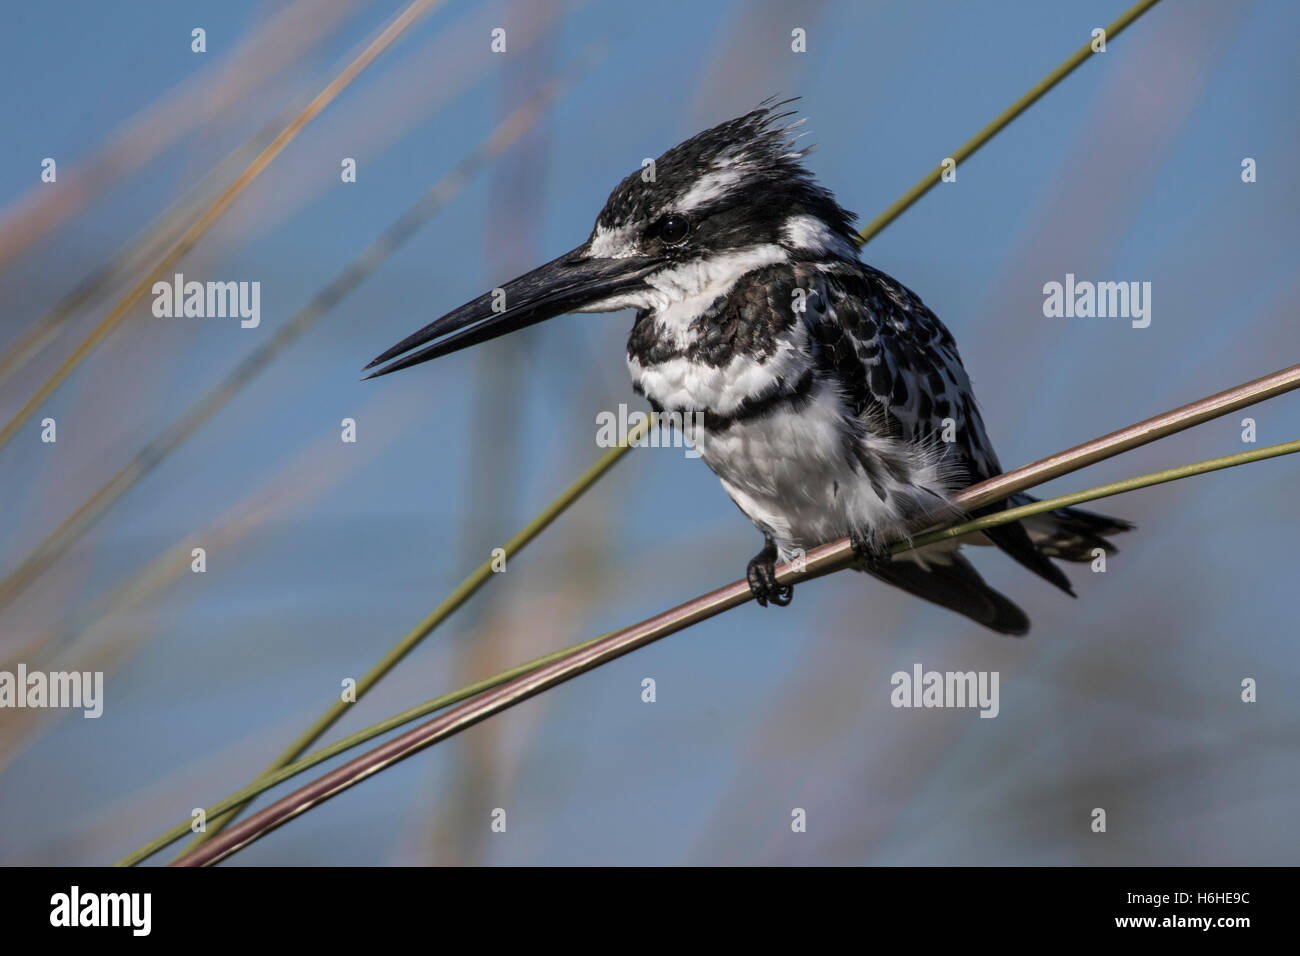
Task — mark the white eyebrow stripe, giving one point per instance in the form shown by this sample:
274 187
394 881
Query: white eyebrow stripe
709 187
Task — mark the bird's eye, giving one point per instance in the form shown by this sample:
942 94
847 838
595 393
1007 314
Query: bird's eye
674 229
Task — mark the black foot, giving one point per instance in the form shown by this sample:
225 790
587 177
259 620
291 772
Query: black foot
761 575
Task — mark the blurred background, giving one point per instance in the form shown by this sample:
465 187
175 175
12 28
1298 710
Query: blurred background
321 554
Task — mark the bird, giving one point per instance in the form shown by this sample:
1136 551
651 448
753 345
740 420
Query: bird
824 394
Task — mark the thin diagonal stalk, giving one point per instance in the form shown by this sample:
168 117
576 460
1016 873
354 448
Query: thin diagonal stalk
607 461
1003 120
467 588
1101 491
216 210
505 135
591 654
266 782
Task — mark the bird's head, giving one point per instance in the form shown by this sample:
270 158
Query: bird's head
730 199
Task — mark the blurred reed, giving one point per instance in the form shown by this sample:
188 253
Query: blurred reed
217 209
194 417
303 480
289 34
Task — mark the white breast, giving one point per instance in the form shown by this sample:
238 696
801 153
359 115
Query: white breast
680 384
792 474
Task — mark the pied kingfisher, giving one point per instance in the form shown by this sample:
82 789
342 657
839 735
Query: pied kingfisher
827 398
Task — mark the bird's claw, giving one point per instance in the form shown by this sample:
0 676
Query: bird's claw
761 575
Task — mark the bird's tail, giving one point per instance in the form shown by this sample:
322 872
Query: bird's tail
1071 534
949 580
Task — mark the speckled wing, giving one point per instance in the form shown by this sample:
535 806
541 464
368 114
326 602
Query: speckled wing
898 363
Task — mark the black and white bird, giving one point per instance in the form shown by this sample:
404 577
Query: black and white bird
833 402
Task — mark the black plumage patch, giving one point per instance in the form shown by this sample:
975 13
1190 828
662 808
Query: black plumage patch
897 363
749 320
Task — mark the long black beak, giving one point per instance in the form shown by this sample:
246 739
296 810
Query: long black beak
571 283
